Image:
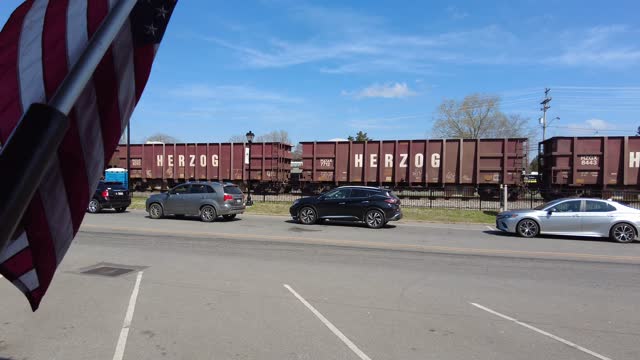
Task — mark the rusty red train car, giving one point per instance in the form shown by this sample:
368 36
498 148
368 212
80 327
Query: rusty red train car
589 165
484 164
157 165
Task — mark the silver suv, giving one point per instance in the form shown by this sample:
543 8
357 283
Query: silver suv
208 200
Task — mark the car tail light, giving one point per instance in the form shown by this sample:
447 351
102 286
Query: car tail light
105 194
228 197
391 201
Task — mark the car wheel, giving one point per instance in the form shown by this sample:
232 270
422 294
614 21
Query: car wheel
120 210
528 228
229 217
622 233
94 206
374 219
208 213
307 216
155 211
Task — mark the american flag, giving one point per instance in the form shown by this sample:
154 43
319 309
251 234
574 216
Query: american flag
39 44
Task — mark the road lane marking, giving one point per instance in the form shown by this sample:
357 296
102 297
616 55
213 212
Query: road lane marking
124 333
370 244
328 324
554 337
490 228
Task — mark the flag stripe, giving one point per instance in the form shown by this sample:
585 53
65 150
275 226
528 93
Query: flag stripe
19 264
86 110
30 280
123 59
14 247
30 56
107 91
42 251
56 208
54 58
10 107
143 60
54 50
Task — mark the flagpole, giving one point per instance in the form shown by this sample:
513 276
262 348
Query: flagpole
42 128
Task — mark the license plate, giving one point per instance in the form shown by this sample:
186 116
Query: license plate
238 201
119 193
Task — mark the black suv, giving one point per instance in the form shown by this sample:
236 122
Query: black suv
109 195
373 206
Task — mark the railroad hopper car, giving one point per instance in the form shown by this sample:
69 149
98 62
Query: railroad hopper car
590 166
450 164
158 166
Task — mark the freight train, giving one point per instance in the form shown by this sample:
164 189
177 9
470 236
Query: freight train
567 165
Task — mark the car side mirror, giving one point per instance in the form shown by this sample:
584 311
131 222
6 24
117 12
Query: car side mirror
321 197
551 211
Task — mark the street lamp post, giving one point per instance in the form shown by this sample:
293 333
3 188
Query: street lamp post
250 135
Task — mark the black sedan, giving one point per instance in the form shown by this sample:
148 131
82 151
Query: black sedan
375 207
109 195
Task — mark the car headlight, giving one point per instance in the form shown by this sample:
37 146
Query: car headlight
507 216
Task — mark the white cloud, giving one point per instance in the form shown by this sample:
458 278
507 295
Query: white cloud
387 91
341 41
594 127
230 92
600 46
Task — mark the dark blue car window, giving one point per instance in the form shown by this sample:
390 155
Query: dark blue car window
338 194
198 189
362 193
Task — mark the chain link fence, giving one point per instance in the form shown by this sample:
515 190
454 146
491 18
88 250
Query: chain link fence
468 199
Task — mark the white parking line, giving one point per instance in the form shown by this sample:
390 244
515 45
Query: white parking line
328 324
557 338
124 333
490 228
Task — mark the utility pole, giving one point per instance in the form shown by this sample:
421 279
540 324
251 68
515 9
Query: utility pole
545 107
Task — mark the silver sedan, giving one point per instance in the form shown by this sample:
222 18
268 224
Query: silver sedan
574 217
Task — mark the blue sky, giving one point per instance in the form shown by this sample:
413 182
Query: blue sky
323 70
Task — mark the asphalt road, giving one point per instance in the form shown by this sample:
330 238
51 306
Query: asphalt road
264 288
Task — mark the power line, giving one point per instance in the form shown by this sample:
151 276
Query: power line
545 107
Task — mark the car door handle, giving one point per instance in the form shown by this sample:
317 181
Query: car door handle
365 202
342 203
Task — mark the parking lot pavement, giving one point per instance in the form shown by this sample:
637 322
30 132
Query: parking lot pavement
211 295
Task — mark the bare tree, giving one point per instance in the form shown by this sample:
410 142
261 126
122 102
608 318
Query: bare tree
478 116
163 138
281 136
238 139
273 136
513 126
296 154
